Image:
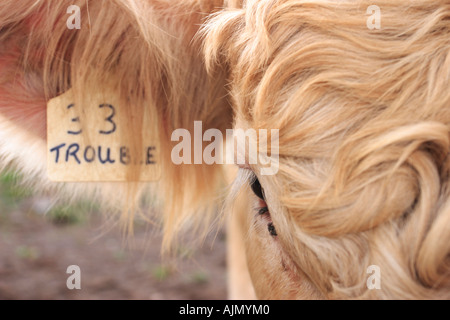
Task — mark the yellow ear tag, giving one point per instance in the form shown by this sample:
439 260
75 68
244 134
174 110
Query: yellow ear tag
88 144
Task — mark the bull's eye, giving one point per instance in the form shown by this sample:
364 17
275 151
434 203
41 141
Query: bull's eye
272 230
263 211
257 189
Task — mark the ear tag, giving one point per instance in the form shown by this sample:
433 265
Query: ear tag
89 143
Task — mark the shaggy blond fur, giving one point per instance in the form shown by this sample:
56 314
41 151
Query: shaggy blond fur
147 49
364 119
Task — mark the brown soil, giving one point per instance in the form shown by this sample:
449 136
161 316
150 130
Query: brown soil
35 253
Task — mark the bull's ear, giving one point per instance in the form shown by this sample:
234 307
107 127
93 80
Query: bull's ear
147 53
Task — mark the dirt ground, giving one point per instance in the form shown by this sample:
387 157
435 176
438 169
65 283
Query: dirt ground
37 248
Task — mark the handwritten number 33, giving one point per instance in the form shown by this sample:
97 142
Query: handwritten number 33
108 119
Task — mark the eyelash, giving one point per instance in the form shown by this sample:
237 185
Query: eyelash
263 211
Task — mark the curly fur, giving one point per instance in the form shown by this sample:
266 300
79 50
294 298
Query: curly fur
364 119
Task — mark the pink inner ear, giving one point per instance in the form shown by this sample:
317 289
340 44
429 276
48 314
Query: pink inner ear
22 98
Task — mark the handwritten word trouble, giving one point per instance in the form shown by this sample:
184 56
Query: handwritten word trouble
91 141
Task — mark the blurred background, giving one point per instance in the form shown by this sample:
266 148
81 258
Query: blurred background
37 244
